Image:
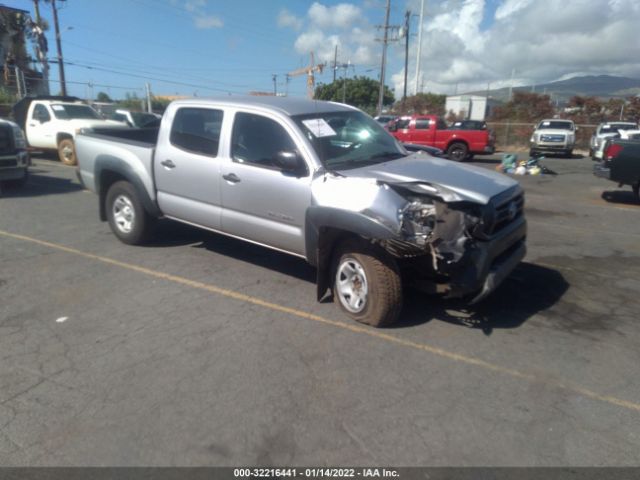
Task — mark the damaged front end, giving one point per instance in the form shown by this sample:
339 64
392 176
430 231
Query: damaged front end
443 241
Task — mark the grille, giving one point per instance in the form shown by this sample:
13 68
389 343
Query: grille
11 162
6 139
552 138
507 212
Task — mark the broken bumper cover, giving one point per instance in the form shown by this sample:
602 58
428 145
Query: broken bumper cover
489 263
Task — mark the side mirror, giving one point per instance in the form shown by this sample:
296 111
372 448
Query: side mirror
577 129
290 162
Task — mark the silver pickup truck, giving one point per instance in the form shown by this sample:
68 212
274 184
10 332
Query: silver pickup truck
319 180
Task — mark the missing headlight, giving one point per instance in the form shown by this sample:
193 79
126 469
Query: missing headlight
419 220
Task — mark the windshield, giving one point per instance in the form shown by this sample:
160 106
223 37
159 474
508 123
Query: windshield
345 140
556 125
68 112
615 127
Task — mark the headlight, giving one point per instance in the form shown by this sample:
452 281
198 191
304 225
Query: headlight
419 219
18 138
532 139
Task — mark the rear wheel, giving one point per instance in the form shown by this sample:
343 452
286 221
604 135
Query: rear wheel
367 284
67 152
127 218
457 151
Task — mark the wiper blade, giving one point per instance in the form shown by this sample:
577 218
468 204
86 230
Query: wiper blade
388 155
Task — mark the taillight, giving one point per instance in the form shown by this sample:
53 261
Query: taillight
612 151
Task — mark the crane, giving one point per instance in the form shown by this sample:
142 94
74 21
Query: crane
309 70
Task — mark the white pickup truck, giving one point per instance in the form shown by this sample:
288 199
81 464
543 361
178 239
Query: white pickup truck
319 180
51 123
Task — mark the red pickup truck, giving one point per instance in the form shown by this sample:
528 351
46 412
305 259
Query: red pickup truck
433 131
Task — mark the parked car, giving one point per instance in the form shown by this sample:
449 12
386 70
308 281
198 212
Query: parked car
136 119
553 136
621 162
51 123
318 180
14 158
605 139
433 131
605 130
384 119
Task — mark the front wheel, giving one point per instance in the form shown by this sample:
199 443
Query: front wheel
127 218
67 152
457 151
367 284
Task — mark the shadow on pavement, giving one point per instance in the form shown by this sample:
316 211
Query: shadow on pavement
40 184
530 289
623 197
170 234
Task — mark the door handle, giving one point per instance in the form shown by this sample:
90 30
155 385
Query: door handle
231 177
32 124
168 164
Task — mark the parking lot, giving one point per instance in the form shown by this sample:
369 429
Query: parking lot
203 350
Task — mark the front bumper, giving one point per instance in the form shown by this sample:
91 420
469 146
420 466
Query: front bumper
551 147
485 266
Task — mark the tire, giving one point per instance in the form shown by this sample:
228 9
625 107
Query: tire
532 153
636 191
128 219
67 152
457 151
361 266
569 153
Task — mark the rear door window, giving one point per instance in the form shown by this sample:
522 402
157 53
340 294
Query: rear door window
197 130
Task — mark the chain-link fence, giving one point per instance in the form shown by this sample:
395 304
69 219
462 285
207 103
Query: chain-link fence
511 135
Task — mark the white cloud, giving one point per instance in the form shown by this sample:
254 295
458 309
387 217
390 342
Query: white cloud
344 25
288 19
342 15
194 5
540 40
208 21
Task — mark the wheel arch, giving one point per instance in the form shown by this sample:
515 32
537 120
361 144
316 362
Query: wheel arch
109 170
63 136
326 228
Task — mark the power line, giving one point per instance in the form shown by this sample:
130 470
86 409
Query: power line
148 77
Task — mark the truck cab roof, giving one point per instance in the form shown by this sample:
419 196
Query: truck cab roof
289 106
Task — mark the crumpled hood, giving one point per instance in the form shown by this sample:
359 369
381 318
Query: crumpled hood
463 182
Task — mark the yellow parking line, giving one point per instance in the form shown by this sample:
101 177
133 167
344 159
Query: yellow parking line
350 327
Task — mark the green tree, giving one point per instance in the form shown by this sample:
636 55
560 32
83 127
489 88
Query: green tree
103 97
423 104
525 106
361 92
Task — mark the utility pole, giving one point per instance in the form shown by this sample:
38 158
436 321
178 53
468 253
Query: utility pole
419 45
274 77
513 71
335 63
41 50
385 41
407 22
147 88
63 84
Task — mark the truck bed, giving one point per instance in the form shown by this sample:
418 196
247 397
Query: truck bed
128 146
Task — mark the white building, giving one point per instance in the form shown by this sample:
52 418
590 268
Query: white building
470 107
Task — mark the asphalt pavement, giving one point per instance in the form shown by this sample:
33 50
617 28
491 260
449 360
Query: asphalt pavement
199 349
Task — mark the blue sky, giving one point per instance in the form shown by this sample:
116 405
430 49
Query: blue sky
212 47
